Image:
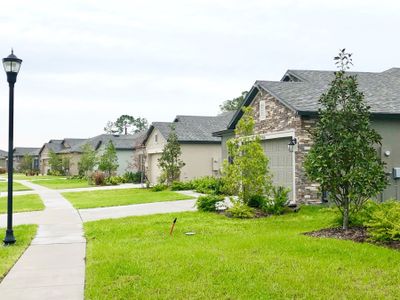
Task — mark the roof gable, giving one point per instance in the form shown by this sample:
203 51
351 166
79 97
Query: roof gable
193 129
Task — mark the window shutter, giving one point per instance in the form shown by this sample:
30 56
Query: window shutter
262 110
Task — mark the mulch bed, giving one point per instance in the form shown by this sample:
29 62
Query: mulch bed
355 234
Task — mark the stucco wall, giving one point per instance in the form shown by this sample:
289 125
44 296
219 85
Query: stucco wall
198 159
3 163
390 132
125 158
153 150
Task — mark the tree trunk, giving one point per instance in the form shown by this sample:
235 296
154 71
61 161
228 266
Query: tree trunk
346 214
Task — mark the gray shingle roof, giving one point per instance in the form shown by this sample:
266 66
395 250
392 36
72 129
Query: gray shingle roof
3 153
195 129
381 90
121 142
21 151
54 145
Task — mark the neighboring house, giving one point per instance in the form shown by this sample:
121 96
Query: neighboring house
71 148
201 152
288 108
20 152
62 148
125 146
3 159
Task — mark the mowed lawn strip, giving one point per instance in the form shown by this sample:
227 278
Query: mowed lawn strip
16 187
22 203
10 254
59 184
118 197
20 176
266 258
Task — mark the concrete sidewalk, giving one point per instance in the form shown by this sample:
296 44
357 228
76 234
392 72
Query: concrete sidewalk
101 188
92 214
53 267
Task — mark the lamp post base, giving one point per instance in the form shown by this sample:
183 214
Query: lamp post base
9 239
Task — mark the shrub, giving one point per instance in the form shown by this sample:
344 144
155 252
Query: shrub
208 185
133 177
114 180
159 187
257 201
363 216
384 223
98 178
32 173
278 203
181 186
3 170
208 202
241 210
55 173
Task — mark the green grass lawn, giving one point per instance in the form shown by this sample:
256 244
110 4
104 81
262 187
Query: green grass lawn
22 203
59 184
10 254
16 187
104 198
20 176
268 258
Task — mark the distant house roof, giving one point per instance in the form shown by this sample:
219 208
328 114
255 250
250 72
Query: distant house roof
193 129
21 151
61 146
75 145
3 153
300 91
121 142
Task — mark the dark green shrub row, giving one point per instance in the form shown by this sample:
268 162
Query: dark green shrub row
159 187
209 185
182 186
133 177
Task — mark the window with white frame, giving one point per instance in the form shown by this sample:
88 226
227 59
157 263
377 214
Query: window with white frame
156 138
262 110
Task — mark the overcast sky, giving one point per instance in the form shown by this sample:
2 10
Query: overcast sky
87 62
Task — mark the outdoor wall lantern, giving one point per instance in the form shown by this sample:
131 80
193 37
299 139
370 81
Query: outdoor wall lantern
292 143
11 65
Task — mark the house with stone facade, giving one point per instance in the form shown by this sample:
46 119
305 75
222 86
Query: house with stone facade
286 110
201 151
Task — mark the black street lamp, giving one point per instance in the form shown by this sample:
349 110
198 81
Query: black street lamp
11 64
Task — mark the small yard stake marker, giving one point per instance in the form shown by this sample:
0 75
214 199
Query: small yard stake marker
172 227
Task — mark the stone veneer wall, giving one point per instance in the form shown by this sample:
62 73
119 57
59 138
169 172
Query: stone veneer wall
281 118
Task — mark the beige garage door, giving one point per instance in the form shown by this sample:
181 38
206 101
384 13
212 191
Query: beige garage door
154 170
280 162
